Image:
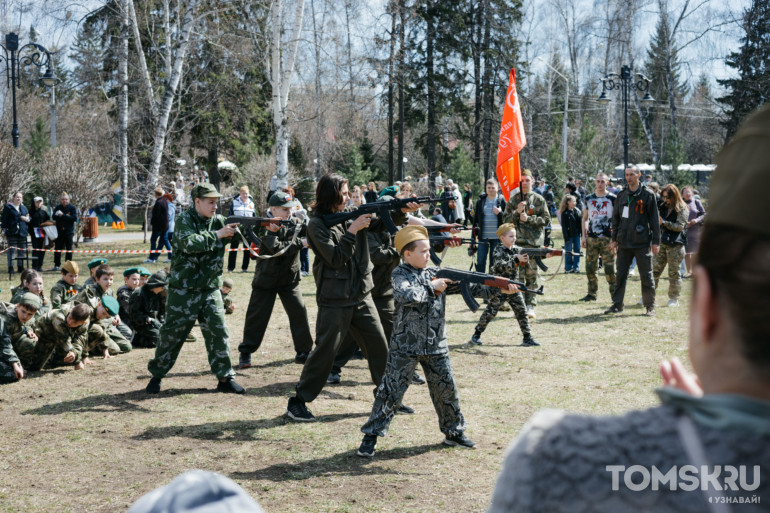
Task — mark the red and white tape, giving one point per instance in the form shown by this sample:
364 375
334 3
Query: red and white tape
107 251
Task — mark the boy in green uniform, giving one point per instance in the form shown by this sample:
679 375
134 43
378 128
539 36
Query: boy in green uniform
64 330
17 337
225 289
144 275
277 276
123 295
92 265
104 333
148 310
198 246
10 367
66 288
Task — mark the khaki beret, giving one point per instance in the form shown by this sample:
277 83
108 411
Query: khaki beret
739 185
526 172
71 267
409 234
505 228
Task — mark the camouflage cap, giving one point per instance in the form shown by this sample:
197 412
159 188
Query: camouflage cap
131 270
159 279
96 262
739 184
71 267
281 199
391 190
111 305
409 234
204 190
31 300
505 228
143 271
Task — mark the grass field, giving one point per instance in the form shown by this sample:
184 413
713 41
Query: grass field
93 441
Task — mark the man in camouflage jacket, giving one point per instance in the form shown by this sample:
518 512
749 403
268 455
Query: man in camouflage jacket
200 235
528 212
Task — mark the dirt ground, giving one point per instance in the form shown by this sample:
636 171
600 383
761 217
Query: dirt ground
93 441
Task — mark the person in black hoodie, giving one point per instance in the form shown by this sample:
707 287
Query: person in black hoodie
571 230
66 215
38 215
487 219
14 224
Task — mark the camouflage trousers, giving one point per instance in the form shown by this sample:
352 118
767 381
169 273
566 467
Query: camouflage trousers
35 354
104 335
6 372
673 256
599 247
183 308
517 305
399 370
530 274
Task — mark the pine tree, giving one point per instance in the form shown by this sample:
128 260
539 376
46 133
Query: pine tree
38 142
752 63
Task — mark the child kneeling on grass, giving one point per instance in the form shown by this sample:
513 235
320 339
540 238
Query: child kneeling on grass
419 335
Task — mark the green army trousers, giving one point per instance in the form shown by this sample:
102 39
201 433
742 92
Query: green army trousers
183 308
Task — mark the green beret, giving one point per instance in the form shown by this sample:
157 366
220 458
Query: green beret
96 262
131 270
204 190
111 305
281 199
739 184
31 300
391 190
157 280
143 271
228 282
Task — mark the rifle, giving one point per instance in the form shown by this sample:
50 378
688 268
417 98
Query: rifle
447 240
250 222
435 229
465 278
382 208
539 253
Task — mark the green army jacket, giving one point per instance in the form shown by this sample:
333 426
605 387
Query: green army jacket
198 253
532 231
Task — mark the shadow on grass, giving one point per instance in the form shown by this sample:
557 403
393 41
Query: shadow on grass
343 464
127 401
584 319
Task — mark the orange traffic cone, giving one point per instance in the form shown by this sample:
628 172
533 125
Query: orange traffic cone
113 225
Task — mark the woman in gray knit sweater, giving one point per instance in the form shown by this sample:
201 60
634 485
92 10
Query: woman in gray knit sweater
707 447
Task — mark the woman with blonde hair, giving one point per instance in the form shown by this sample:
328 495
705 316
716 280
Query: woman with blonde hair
673 235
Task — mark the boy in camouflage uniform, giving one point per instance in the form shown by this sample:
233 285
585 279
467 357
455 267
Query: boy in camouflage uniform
92 266
66 288
15 335
227 301
198 246
506 263
528 212
65 331
278 276
419 335
10 367
106 333
144 275
123 295
148 310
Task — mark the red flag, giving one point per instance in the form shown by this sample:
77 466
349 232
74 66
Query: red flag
512 140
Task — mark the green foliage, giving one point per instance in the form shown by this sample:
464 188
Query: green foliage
297 159
38 142
463 170
752 64
350 163
554 171
591 151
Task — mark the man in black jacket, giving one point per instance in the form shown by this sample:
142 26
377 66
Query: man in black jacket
159 224
66 215
635 234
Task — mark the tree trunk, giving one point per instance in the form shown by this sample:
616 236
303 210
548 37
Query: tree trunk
488 92
431 142
172 83
123 104
143 63
646 127
478 91
318 111
391 99
401 64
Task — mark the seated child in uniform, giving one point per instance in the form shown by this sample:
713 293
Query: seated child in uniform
507 263
65 329
66 288
104 333
144 275
225 289
419 335
34 284
92 266
123 295
148 310
14 331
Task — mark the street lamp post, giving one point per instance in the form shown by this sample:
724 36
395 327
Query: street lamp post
38 55
566 109
626 83
49 80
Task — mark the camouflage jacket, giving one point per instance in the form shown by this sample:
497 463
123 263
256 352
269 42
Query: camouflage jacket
227 301
341 267
46 304
53 326
123 295
385 258
144 305
198 253
62 292
89 281
531 232
284 270
19 333
419 327
92 296
506 263
7 354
